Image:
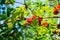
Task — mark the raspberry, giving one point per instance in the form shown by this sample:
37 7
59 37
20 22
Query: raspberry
45 24
58 7
55 12
40 18
29 20
34 16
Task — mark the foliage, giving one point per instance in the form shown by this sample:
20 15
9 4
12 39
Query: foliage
17 27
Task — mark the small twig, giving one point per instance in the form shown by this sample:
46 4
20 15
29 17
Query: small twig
52 17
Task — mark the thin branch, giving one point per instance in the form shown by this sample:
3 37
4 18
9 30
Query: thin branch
53 17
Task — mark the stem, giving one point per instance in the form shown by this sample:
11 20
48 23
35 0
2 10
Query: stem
52 17
39 23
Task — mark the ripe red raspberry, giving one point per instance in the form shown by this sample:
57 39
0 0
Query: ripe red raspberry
34 16
29 20
45 24
40 18
55 12
58 7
